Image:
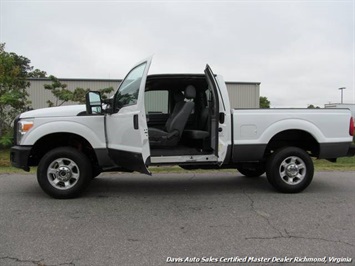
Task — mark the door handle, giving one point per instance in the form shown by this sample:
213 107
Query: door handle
135 122
221 118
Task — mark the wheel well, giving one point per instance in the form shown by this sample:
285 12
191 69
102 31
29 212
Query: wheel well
52 141
296 138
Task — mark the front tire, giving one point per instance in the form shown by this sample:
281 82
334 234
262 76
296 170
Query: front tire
290 170
64 173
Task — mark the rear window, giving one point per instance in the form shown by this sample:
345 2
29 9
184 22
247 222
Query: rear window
157 101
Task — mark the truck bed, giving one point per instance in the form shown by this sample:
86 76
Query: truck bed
256 129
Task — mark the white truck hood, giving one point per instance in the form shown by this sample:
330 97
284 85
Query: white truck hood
69 110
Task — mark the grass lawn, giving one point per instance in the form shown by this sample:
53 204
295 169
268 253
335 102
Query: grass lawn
343 164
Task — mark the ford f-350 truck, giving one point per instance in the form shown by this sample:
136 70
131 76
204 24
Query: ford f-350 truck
189 124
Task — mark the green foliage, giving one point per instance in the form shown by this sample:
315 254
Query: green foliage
13 82
37 74
105 92
79 95
6 140
59 90
62 94
264 102
14 72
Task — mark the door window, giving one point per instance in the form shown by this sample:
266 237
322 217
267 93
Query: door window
128 91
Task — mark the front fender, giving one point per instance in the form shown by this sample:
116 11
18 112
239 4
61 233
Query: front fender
94 133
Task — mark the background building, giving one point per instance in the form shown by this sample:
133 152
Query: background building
241 94
350 106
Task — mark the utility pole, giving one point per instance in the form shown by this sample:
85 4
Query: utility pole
341 89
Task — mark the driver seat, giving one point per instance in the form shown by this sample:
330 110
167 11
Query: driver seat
174 126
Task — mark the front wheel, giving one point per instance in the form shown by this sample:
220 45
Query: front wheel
290 170
64 172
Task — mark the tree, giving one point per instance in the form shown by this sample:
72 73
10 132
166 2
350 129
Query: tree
14 71
63 95
37 74
59 90
311 106
264 102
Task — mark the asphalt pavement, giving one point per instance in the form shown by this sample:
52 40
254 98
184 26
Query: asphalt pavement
199 219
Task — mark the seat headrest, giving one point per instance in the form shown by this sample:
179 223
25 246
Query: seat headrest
190 92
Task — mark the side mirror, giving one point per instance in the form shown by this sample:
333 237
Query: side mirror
93 102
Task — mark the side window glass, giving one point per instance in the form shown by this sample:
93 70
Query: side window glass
128 91
157 102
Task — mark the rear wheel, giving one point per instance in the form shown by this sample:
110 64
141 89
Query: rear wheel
290 170
64 173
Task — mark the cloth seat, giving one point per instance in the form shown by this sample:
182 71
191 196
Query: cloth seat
202 127
174 126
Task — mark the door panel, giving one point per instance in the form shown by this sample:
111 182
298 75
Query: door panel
126 128
219 129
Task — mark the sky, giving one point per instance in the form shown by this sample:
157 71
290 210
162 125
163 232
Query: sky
302 52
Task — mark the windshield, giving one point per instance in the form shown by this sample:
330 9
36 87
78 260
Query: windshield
128 91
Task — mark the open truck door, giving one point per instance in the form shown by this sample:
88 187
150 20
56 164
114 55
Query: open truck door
221 121
126 127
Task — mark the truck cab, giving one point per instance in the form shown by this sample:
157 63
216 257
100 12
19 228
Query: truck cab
165 119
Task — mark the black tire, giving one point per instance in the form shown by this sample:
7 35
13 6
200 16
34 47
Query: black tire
64 173
96 171
290 170
251 169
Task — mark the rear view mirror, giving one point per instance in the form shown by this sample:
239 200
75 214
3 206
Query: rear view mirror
93 103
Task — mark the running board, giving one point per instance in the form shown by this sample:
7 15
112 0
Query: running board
183 159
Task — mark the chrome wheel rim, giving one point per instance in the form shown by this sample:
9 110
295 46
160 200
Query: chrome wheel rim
292 170
63 173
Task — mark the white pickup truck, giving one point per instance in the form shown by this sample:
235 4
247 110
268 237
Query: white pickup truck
190 124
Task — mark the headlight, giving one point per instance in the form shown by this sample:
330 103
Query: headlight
23 126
